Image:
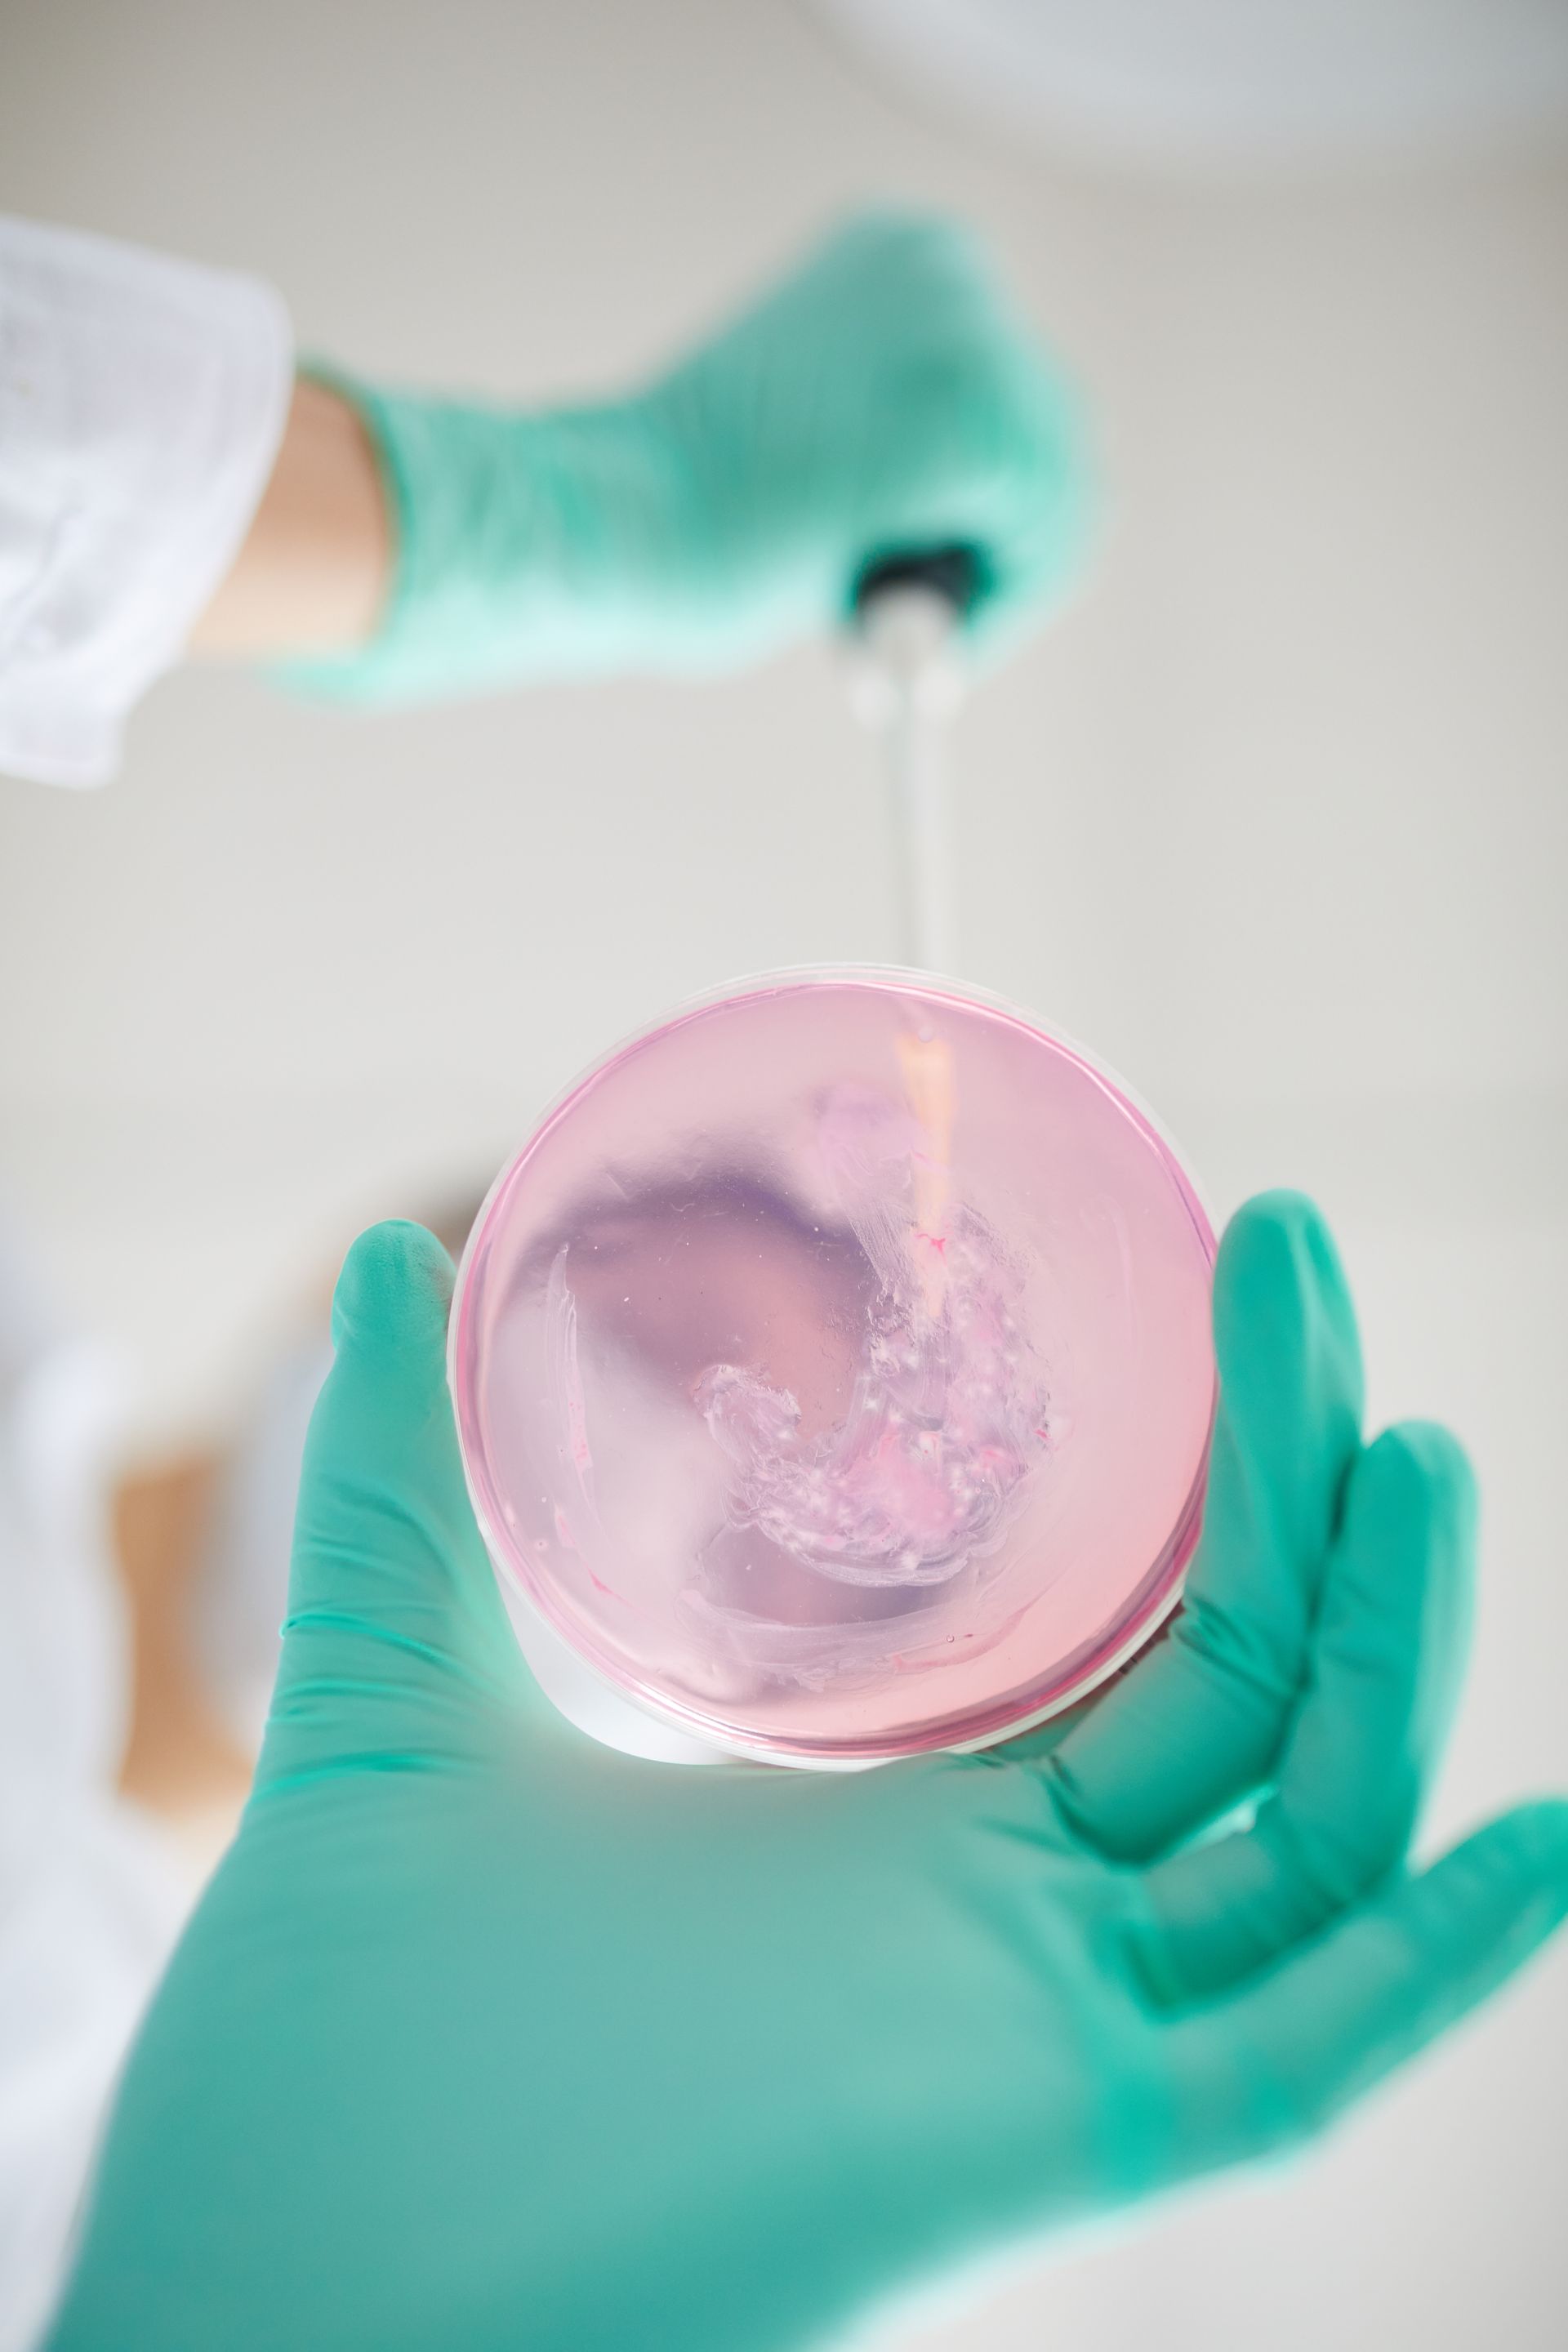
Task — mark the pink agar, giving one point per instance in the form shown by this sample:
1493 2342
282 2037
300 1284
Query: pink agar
833 1368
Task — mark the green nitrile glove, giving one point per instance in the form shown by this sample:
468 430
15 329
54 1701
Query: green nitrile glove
885 399
486 2036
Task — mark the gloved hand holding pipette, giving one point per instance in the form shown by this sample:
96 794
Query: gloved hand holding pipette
485 2035
174 486
885 396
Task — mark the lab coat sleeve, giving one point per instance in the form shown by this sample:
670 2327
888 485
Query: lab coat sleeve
142 400
91 1895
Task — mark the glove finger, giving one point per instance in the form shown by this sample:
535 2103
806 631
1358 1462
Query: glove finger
391 1603
1272 2065
990 454
1198 1725
1388 1654
1015 482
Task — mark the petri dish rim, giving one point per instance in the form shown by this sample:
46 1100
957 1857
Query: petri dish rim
1073 1678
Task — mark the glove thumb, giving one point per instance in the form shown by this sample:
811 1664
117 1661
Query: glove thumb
396 1648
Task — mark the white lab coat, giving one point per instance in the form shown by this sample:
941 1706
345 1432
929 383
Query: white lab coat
142 403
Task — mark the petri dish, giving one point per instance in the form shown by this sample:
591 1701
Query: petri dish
833 1375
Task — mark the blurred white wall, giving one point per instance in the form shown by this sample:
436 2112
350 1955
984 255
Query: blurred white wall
1275 820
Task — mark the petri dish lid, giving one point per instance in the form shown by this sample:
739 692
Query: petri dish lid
833 1370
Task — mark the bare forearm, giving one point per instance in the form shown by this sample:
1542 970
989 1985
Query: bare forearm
312 574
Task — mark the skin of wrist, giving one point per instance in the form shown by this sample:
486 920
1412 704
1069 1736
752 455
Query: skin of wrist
313 574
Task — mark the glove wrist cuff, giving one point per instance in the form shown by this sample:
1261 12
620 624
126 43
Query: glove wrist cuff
524 546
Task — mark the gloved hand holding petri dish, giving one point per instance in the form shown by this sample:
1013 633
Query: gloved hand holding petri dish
833 1376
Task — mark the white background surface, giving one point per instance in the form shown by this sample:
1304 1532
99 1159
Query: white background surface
1275 821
